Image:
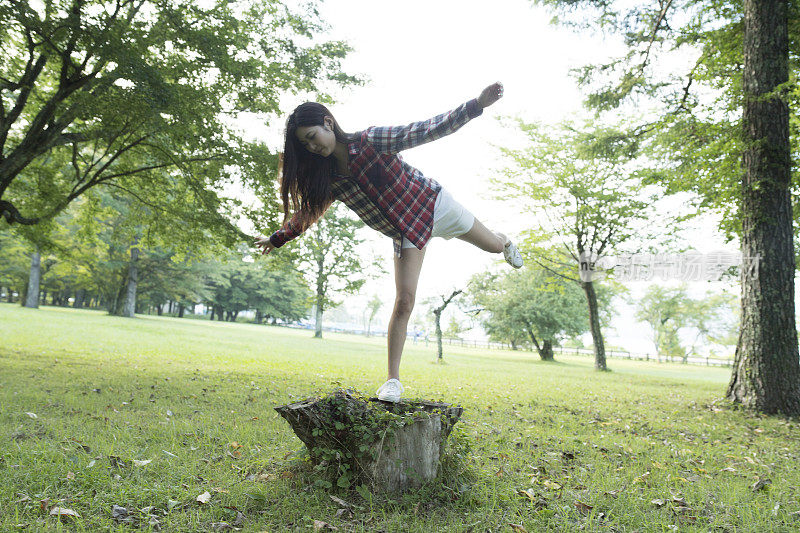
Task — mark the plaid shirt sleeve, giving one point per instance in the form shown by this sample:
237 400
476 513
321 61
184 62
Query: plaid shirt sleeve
393 139
294 227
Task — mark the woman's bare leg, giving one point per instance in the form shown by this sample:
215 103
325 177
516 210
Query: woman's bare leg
484 238
406 276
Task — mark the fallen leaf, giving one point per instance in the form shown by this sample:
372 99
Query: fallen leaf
679 501
32 415
204 498
319 524
172 503
642 478
221 526
658 503
551 484
346 514
63 511
761 484
120 514
518 528
530 493
22 497
169 453
339 501
142 463
583 507
218 489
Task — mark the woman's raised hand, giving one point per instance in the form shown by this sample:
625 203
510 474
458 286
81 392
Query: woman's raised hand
265 244
491 94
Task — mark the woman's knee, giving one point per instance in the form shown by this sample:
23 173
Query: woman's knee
404 303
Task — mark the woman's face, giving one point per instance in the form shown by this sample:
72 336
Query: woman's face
318 140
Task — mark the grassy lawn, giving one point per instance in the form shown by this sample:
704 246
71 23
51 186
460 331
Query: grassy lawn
551 446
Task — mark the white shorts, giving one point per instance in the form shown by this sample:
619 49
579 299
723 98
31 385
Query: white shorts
450 218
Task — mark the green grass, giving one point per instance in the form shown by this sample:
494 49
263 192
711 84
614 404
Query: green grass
196 398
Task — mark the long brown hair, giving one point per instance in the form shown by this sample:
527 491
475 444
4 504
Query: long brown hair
306 177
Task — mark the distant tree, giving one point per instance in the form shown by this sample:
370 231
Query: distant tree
328 253
530 306
15 261
373 306
454 328
438 305
582 182
668 310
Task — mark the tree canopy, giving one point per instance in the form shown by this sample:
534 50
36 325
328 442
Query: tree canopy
141 96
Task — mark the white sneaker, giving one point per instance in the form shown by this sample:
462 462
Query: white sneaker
390 391
512 255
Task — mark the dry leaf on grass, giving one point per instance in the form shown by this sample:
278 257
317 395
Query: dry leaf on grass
63 511
319 525
761 484
142 463
204 498
518 528
583 507
339 501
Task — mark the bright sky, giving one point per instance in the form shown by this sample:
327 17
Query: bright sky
423 58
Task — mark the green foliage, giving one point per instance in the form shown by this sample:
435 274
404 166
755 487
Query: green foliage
529 306
582 186
141 97
670 309
684 62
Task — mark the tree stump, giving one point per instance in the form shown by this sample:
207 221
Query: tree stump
391 447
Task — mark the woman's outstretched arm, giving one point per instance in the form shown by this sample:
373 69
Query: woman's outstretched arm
291 229
393 139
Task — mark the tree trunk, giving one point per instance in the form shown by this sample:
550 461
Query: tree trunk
594 326
766 370
547 351
160 309
320 296
34 277
80 295
129 310
180 310
437 315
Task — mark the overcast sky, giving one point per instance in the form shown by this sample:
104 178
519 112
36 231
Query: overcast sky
422 58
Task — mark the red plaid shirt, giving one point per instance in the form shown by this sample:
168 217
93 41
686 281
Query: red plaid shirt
387 193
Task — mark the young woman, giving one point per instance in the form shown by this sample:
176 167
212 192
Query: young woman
321 164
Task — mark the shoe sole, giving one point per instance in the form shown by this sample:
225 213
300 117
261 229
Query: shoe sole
393 399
